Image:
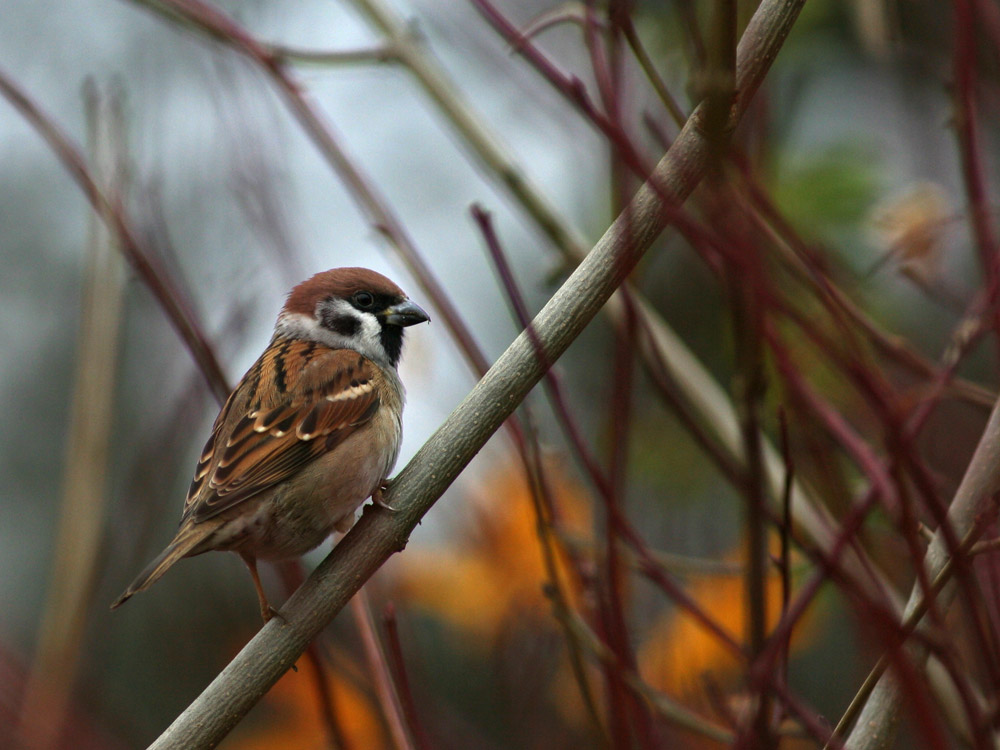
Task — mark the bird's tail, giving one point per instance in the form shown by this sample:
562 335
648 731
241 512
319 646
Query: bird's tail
186 540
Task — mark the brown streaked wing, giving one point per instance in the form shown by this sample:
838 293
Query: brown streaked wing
327 400
207 457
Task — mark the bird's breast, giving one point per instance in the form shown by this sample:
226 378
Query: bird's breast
302 512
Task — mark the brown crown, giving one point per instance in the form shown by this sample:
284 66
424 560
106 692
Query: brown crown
338 282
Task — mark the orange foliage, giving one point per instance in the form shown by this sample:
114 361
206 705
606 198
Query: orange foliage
679 654
294 719
496 569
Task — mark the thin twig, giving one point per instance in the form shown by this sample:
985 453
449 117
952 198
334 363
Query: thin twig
620 407
663 705
646 561
112 213
909 624
385 688
748 312
649 69
786 539
384 53
807 268
716 79
292 574
971 156
554 587
540 495
398 664
628 715
459 114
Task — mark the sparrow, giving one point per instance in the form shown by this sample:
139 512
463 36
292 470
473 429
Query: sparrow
311 431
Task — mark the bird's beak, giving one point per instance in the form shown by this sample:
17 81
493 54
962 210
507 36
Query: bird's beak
406 313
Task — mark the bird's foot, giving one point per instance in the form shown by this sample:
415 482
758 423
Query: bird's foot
379 500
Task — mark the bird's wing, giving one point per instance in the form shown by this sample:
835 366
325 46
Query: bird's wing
258 442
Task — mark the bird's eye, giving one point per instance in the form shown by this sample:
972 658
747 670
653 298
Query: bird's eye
364 300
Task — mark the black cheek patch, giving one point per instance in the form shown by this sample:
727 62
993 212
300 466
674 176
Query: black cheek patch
345 325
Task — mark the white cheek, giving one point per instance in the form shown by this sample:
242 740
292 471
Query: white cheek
370 336
297 325
367 341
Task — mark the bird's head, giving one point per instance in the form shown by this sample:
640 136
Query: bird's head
351 308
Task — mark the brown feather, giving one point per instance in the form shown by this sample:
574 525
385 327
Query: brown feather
189 537
339 282
331 395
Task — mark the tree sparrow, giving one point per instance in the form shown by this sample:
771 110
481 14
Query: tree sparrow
311 431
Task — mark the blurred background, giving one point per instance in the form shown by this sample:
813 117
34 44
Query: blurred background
852 143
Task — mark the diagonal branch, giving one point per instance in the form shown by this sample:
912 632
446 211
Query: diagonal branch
379 534
876 727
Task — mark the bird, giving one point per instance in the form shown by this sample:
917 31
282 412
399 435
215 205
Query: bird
311 431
